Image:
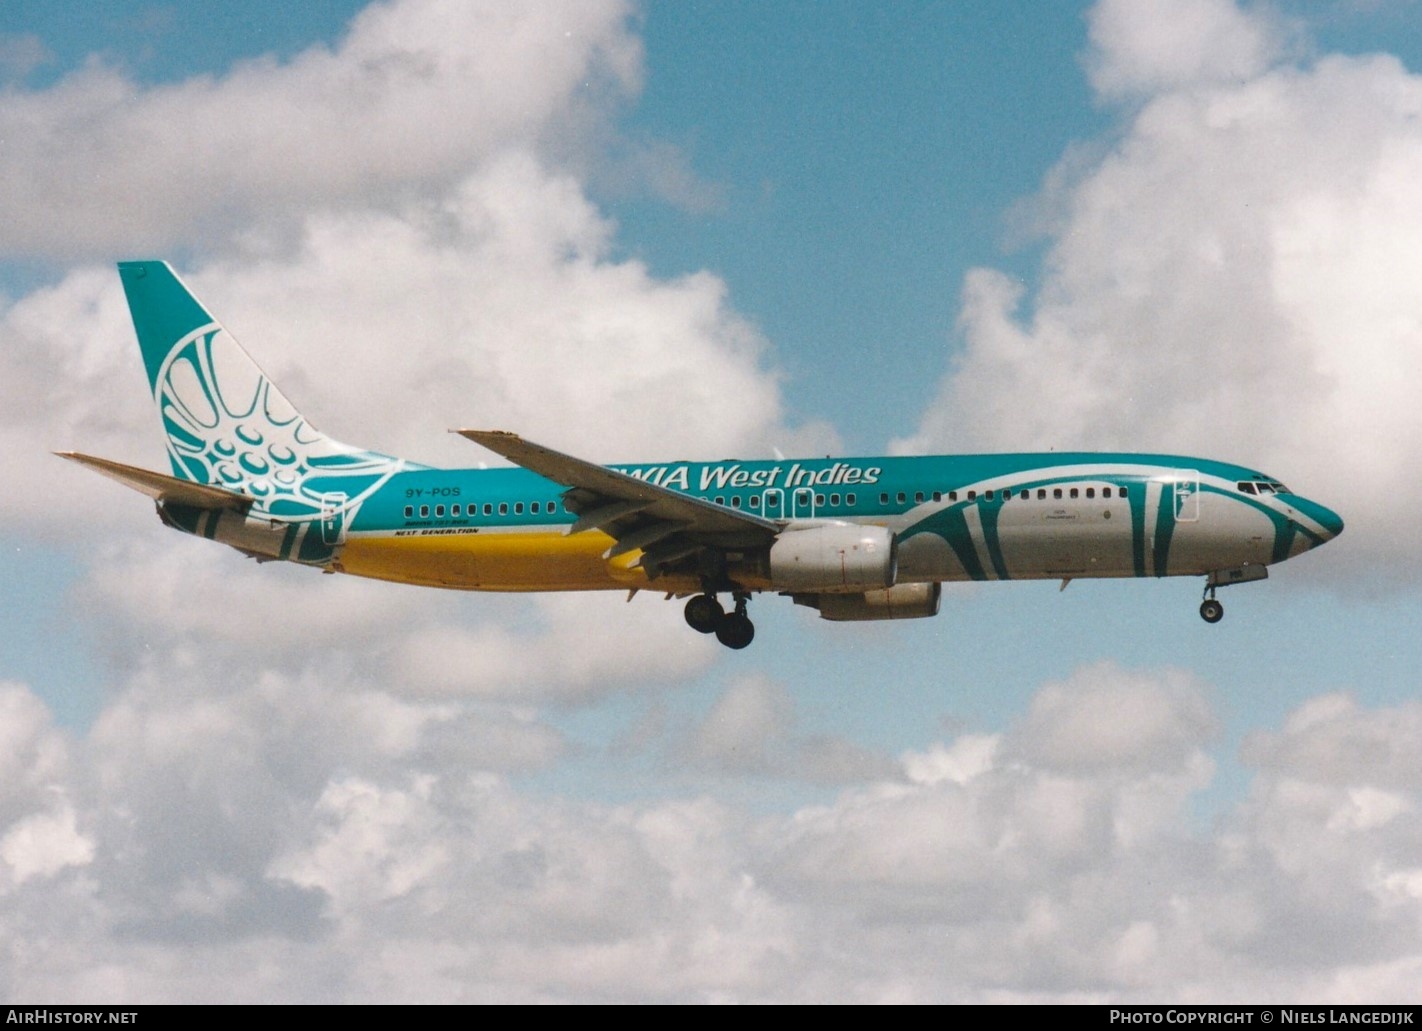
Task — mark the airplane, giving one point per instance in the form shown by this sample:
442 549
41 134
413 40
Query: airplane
853 538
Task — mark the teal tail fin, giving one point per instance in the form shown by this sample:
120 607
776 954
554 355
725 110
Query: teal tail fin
226 423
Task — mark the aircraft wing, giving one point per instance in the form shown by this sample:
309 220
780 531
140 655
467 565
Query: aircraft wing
163 488
667 525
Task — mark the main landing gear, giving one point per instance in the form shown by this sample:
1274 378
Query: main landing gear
705 615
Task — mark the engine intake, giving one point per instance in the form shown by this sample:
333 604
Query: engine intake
840 558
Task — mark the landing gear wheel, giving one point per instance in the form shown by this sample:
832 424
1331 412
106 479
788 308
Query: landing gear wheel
1211 611
735 630
704 614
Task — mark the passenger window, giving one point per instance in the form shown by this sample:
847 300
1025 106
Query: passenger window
755 501
1041 493
439 511
1074 492
503 508
454 511
972 495
952 495
834 499
937 496
1121 491
424 511
1105 492
903 498
988 496
819 500
883 499
518 508
918 498
488 509
849 499
1026 494
1091 492
409 511
1057 493
721 501
533 508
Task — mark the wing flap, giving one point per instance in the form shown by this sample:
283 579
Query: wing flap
168 489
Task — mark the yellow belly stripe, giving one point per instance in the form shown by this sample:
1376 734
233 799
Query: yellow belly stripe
532 560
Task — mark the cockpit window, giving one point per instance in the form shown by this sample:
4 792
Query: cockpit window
1262 487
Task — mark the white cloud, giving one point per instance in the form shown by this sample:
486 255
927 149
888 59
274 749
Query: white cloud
374 844
500 307
304 838
1143 47
1027 881
969 756
33 754
1154 720
39 831
182 602
744 726
552 648
1235 278
415 93
1331 740
42 844
752 729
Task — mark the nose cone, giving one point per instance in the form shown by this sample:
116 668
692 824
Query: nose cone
1316 521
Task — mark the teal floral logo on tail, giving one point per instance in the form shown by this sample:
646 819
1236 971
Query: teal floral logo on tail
228 425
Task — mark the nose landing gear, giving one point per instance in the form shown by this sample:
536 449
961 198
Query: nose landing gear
705 615
1212 611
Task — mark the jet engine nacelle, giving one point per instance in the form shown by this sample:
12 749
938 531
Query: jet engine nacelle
840 557
902 601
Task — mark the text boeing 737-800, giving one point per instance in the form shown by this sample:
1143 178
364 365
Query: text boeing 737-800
854 538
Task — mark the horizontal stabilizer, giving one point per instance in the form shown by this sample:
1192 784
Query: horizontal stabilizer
163 488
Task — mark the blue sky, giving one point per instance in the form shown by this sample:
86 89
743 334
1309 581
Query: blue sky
870 171
695 230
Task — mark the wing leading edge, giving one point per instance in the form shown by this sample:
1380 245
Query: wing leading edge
669 528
